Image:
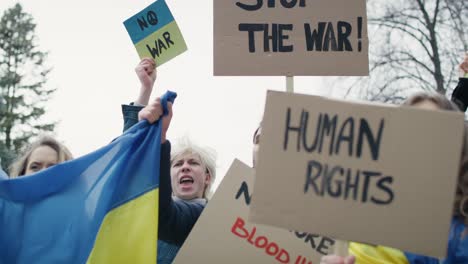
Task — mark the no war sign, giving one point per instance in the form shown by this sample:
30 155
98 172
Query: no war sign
155 33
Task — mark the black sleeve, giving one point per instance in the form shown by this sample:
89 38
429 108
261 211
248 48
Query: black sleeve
130 115
176 217
165 187
460 94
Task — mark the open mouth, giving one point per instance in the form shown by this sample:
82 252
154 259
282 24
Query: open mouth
186 180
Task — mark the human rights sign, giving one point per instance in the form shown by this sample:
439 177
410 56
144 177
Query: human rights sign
377 174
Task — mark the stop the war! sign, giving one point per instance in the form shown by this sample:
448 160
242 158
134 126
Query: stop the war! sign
294 37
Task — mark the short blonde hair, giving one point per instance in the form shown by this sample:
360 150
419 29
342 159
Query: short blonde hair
207 157
18 168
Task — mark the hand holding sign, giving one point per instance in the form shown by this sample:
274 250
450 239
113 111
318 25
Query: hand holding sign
146 72
155 33
464 67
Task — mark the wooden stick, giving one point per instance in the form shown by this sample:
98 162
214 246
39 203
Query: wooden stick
341 248
290 84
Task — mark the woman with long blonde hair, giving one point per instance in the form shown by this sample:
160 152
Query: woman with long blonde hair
43 153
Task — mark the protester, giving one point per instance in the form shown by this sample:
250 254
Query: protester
188 174
200 159
460 93
41 154
458 242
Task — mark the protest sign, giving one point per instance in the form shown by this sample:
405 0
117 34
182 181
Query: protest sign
286 38
155 33
222 234
376 174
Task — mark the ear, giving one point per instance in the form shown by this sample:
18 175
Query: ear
207 184
207 178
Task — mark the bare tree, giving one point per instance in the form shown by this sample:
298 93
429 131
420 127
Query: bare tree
414 45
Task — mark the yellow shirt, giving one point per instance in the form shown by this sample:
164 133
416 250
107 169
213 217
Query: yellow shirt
366 254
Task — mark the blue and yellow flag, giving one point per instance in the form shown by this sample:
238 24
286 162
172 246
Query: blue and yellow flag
457 250
100 208
367 254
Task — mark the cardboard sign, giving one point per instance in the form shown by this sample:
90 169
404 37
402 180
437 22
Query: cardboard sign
297 37
222 234
366 173
155 33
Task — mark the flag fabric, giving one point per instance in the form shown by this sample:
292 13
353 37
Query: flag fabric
367 254
457 250
100 208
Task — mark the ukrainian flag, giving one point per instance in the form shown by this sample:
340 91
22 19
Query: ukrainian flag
100 208
367 254
457 250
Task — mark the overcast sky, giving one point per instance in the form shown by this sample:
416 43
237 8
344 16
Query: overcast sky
93 62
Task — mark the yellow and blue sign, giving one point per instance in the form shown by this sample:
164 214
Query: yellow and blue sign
155 33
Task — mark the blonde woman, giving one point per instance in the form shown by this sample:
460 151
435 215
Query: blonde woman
41 154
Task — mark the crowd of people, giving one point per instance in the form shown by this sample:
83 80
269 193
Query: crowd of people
187 173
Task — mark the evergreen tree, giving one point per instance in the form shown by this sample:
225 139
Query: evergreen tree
23 75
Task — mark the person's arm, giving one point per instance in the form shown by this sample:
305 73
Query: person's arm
146 72
130 115
460 94
153 111
176 217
